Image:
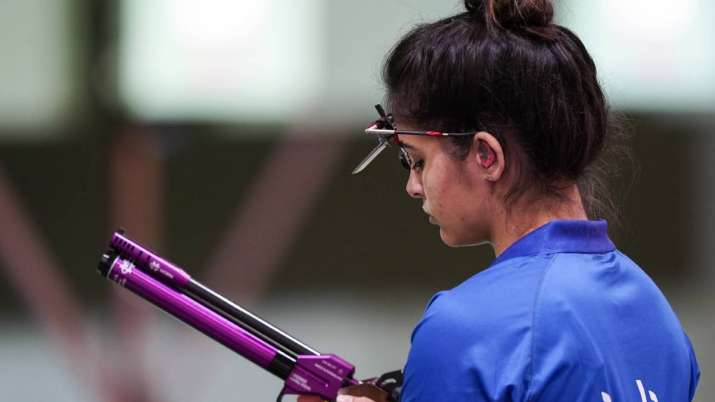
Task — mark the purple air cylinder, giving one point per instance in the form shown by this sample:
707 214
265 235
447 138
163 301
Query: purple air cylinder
190 311
173 276
321 375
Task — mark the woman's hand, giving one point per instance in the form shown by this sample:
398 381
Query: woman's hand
355 393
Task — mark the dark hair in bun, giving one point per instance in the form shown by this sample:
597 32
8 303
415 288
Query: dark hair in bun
505 68
534 16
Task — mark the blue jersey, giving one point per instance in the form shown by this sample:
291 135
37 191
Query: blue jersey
561 315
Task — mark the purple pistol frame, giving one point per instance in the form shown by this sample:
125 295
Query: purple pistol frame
304 370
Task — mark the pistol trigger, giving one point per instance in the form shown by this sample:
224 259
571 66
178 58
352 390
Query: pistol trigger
391 382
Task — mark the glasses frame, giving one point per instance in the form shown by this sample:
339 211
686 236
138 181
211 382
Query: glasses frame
386 131
385 126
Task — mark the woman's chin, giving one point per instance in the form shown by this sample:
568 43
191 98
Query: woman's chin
450 240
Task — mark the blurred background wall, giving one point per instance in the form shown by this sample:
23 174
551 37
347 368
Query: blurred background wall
222 133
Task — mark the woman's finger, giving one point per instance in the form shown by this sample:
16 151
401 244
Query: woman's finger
309 398
362 393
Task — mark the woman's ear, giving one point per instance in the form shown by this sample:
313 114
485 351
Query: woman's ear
490 156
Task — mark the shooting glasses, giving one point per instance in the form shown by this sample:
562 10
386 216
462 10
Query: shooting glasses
386 131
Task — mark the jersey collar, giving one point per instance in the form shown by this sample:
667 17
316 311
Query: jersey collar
562 236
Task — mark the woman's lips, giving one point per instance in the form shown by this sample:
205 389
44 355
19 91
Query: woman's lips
429 217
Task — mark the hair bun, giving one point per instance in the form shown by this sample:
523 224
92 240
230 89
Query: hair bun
531 15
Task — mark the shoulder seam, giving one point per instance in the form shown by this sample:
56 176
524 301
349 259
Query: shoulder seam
537 300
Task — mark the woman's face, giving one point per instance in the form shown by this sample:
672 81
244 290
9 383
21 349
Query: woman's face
454 193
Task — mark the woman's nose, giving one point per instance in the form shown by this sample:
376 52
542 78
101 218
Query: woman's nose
414 186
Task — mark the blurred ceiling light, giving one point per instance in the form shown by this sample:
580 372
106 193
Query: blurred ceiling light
245 60
37 69
653 19
216 23
652 55
220 60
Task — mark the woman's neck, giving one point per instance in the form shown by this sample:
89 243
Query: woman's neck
528 214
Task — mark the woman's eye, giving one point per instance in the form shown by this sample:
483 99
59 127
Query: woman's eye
408 163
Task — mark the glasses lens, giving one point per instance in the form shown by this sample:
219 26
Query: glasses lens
405 160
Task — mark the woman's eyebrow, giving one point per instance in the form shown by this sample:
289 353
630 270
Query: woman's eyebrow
408 146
